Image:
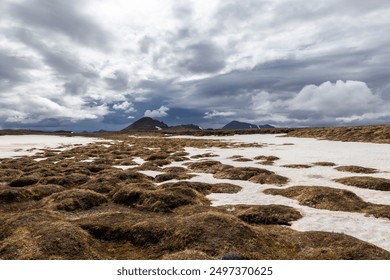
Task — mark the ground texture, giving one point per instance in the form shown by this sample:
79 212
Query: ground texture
157 197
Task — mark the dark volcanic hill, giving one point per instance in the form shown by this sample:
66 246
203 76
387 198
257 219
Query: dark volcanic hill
244 125
146 123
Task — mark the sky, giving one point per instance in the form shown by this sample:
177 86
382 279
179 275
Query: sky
100 64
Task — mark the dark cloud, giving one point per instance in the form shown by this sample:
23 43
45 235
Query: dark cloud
62 17
145 44
13 69
119 81
281 62
62 60
203 57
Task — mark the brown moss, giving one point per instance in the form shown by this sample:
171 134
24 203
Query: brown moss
41 234
272 179
324 163
204 188
298 166
11 196
157 156
24 181
7 175
187 255
366 182
205 155
142 234
208 166
172 176
67 181
322 197
214 234
266 158
242 159
39 191
265 214
372 133
241 173
225 188
332 199
175 169
157 200
75 199
356 169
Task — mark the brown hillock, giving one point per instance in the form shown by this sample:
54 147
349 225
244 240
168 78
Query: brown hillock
42 234
322 197
264 214
24 181
324 163
157 200
332 199
67 181
356 169
74 199
366 182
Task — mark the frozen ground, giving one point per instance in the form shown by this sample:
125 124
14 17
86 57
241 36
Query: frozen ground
24 145
307 151
290 151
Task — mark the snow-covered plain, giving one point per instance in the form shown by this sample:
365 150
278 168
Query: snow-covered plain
308 151
26 145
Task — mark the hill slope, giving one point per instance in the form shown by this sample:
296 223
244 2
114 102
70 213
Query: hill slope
146 123
244 125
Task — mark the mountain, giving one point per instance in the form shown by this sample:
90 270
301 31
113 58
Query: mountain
244 125
146 123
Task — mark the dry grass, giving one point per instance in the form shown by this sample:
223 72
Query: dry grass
373 134
42 234
24 181
264 214
205 155
76 199
223 171
149 198
332 199
366 182
173 176
322 197
89 210
356 169
297 166
324 163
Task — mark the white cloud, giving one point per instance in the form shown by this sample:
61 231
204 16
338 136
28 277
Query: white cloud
340 99
214 114
124 106
32 108
158 113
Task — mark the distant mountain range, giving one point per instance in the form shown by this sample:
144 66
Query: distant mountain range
149 124
244 125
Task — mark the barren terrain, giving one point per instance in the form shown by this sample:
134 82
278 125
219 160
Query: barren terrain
156 196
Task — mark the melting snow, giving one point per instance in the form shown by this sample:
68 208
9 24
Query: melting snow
307 151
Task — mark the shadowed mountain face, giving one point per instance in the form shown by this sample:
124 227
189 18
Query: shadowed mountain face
146 123
243 125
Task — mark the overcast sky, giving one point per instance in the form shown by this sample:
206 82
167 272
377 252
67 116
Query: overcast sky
90 65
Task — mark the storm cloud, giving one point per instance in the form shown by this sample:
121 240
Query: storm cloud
94 64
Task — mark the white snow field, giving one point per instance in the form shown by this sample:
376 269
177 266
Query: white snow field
26 145
307 151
